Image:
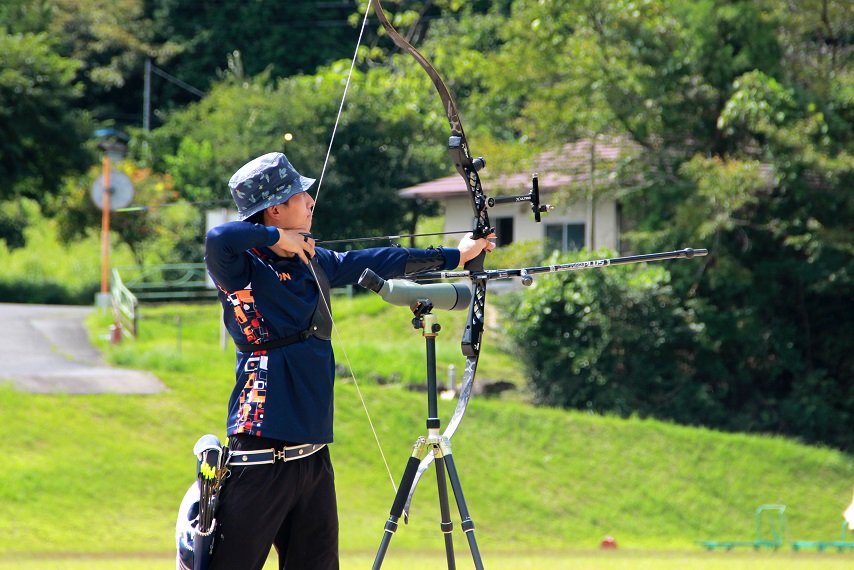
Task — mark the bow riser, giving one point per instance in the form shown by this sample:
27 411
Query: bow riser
474 327
481 227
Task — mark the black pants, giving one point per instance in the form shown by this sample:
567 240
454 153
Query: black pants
290 505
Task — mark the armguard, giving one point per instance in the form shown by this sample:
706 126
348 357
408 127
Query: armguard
421 260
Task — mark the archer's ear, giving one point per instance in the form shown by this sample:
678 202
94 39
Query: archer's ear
271 215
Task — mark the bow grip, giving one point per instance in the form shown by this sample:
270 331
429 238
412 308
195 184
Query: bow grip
481 231
475 265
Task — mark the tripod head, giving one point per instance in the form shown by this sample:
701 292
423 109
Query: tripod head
424 318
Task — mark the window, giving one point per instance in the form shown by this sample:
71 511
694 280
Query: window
565 237
503 231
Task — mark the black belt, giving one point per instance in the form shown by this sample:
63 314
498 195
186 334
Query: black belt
294 338
269 456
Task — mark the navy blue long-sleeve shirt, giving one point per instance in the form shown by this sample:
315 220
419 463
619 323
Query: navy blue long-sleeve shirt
286 393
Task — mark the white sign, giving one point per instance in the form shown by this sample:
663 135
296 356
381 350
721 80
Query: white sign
214 218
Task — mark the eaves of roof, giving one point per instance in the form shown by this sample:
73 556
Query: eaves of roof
557 169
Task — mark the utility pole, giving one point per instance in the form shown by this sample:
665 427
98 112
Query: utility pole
105 229
146 98
146 92
113 144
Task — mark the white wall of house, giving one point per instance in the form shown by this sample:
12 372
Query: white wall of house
601 223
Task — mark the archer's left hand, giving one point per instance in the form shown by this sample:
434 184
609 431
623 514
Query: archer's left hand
471 248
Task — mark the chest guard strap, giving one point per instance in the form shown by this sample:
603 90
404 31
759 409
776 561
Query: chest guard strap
321 319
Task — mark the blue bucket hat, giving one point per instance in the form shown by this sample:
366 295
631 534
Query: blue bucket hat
266 181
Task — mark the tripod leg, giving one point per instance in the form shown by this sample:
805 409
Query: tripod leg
447 525
467 524
399 501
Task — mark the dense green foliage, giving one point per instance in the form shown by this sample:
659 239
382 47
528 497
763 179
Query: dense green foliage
241 118
613 341
285 38
40 142
108 39
619 341
744 117
46 268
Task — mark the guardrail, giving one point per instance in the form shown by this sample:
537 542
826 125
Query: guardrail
169 282
175 281
125 306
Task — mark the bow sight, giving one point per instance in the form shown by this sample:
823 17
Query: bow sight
533 197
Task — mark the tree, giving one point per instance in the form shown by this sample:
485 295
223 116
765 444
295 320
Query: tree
158 227
42 138
110 40
241 118
283 38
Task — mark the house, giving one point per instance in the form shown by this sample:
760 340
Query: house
567 180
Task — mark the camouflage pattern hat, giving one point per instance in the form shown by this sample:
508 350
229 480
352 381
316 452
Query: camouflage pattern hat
266 181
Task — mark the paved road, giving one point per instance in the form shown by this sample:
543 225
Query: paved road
45 349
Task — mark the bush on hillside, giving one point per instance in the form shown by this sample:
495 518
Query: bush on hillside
612 340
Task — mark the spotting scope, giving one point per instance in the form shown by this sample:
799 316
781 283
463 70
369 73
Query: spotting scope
404 293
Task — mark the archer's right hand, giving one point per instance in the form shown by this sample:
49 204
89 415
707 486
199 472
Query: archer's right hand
293 242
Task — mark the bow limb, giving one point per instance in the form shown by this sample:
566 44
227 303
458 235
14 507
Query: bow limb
444 94
467 168
458 144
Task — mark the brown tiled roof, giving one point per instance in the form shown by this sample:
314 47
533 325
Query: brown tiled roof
556 169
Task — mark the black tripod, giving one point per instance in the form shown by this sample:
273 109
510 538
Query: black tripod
440 447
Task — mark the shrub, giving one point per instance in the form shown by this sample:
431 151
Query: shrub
612 340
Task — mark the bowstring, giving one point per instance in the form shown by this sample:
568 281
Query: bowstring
311 266
341 106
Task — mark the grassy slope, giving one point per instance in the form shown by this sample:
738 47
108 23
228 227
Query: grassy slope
106 473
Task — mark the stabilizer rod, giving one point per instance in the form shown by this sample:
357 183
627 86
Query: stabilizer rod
526 272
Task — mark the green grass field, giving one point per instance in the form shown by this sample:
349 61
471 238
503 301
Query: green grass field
563 560
95 481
